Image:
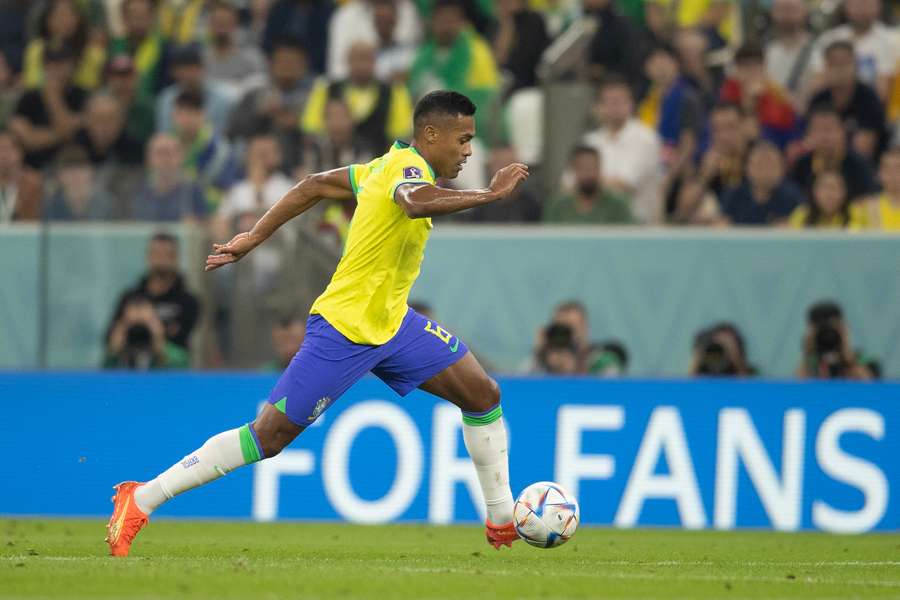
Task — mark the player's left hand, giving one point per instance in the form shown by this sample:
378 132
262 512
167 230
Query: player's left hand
233 251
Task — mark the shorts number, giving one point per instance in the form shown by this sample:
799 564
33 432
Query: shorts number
439 331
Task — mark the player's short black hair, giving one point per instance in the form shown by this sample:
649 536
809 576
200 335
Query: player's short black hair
190 99
289 43
820 109
442 103
823 311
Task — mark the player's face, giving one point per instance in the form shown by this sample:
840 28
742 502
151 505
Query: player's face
452 145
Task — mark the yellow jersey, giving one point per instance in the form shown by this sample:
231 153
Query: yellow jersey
366 299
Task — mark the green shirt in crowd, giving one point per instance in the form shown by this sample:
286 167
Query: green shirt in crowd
607 207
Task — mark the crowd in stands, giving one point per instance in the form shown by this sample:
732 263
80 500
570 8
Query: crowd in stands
707 112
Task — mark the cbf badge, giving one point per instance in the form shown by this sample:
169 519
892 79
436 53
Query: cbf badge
412 173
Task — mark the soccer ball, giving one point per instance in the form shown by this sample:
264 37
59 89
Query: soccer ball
546 515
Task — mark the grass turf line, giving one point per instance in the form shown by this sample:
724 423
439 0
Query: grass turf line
181 559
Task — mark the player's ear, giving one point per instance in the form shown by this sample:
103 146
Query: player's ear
430 134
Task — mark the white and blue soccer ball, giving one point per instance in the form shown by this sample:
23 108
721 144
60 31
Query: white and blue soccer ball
546 515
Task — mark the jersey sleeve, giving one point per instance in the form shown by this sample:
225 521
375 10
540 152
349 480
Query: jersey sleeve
408 168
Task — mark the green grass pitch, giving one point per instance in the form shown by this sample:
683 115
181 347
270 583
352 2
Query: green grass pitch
182 559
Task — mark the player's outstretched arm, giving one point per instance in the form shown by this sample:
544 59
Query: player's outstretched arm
419 201
333 185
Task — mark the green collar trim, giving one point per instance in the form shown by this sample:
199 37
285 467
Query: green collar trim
398 145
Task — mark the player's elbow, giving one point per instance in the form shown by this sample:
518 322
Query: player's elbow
413 209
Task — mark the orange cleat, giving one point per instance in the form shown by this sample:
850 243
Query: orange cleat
500 535
127 519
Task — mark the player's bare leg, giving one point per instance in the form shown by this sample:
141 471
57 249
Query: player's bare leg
265 437
466 385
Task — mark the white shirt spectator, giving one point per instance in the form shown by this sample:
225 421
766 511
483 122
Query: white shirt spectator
782 61
877 51
354 22
243 196
633 157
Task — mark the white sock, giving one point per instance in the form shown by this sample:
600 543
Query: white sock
487 446
220 454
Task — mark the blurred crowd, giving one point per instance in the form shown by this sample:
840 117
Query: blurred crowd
707 112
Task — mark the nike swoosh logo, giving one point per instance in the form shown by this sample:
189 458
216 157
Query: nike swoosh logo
455 346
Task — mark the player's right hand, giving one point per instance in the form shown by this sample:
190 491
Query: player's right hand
233 251
506 179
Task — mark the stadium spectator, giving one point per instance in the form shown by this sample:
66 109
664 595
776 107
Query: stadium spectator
395 57
186 66
631 151
382 23
829 207
673 109
876 45
263 186
164 287
336 146
227 60
522 205
77 197
137 104
103 134
883 211
136 339
616 46
519 41
789 51
9 92
166 195
47 118
720 351
827 349
20 186
704 74
761 99
591 201
208 155
607 359
255 27
287 337
275 106
382 112
765 197
722 165
305 20
142 42
456 58
181 21
573 329
14 32
61 23
856 103
694 204
826 140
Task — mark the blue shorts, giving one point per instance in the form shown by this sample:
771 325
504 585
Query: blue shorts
328 363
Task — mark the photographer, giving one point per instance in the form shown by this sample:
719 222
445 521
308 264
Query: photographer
827 352
719 351
558 353
607 359
137 339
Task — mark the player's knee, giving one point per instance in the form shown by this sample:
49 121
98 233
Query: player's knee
493 392
482 396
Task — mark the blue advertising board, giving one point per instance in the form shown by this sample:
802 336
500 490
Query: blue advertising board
699 454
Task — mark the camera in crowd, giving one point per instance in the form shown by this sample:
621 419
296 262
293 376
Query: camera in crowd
720 351
827 349
559 353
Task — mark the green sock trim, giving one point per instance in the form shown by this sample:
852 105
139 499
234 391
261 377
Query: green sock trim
248 445
483 419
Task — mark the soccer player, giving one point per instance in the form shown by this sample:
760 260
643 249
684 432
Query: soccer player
361 322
